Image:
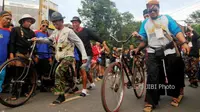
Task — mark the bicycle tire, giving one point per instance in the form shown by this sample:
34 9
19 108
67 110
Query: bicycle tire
103 94
34 76
142 80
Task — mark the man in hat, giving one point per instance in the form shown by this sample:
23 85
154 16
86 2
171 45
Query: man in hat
19 44
43 65
145 14
152 31
64 40
86 35
5 19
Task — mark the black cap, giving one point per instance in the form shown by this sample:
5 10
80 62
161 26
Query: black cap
56 16
75 18
145 12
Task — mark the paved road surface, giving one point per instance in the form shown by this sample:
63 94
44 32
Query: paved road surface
92 103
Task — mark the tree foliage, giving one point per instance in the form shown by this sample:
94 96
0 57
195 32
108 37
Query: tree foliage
104 17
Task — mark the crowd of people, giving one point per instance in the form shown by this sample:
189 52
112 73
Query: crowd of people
166 45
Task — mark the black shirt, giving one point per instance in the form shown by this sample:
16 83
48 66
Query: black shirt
86 36
194 50
19 40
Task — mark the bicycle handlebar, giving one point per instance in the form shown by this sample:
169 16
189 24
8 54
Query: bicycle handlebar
30 40
122 41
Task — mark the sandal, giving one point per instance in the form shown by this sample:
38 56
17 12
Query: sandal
59 100
180 97
148 108
175 102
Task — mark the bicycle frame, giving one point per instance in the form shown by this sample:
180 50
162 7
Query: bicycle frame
123 62
30 58
29 63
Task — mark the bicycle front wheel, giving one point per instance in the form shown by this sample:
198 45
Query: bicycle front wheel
19 82
112 89
138 80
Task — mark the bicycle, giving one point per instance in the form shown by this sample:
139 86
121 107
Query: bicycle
21 79
114 74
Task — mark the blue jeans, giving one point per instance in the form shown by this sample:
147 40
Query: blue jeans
2 77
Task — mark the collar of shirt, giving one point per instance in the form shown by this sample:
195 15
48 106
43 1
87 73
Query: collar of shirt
79 29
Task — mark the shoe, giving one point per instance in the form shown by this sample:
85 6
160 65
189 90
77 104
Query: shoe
98 79
180 97
148 108
101 77
175 102
84 94
91 87
59 100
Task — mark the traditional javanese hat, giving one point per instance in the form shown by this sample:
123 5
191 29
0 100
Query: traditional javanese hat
45 22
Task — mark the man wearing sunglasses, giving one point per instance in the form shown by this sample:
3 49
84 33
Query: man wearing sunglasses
44 60
152 31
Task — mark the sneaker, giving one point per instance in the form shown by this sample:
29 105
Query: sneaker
84 94
91 87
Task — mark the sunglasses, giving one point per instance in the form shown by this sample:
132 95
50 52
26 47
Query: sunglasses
152 10
45 26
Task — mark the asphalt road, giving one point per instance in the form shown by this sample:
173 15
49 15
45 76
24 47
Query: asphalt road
92 103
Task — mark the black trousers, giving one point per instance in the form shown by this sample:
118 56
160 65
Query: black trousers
43 67
156 84
78 65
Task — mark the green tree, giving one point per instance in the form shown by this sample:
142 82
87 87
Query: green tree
195 16
104 17
97 14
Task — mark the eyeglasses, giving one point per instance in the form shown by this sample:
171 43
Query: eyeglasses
45 26
152 10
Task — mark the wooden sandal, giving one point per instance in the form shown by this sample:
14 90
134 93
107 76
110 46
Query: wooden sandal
148 108
180 97
175 102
